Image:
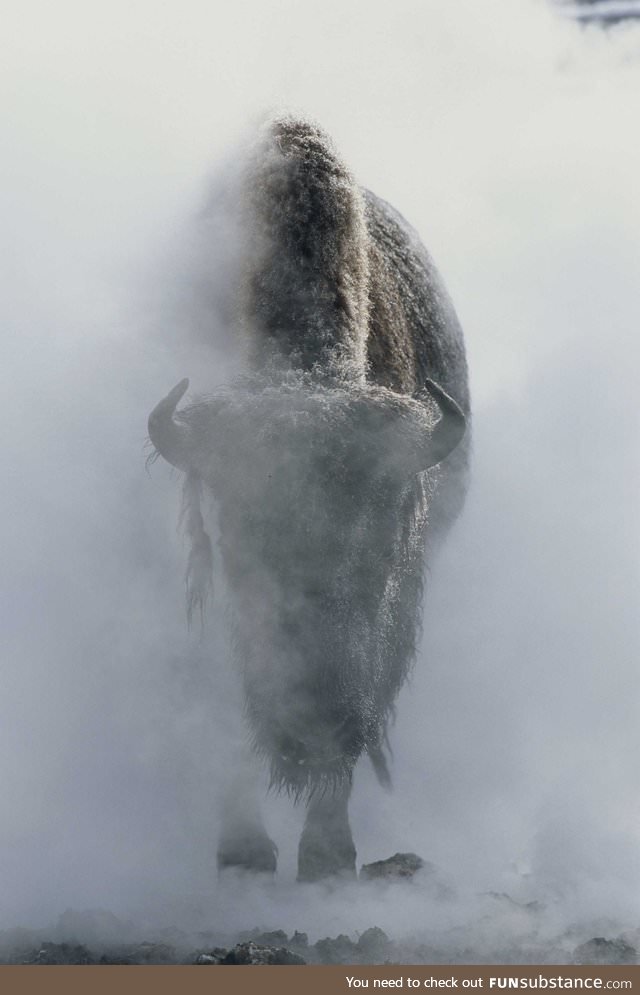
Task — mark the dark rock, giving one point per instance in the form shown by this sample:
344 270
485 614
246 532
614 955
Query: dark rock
16 944
374 943
276 938
61 953
400 867
341 950
602 12
257 953
216 956
601 951
140 953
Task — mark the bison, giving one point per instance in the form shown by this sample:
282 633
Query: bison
334 461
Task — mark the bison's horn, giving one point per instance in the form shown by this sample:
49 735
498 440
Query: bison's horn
170 438
449 430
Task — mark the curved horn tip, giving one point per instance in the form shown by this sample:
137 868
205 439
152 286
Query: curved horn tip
433 387
450 429
169 403
178 391
169 438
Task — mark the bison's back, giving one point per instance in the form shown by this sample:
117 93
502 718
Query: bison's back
415 335
337 282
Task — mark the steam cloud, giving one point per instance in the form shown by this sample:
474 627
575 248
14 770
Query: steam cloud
506 136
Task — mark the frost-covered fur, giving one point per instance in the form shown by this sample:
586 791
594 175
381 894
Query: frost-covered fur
315 459
307 273
322 539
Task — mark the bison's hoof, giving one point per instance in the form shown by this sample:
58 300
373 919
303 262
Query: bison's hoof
320 859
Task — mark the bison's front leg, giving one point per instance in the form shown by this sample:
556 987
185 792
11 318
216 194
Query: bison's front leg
326 846
244 842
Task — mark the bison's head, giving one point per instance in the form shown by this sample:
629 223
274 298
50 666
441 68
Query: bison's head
322 504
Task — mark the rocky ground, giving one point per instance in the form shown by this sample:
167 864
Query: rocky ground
500 930
373 946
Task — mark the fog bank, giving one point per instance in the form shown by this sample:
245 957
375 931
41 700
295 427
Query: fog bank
506 135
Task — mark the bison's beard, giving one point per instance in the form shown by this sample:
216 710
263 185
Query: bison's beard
322 665
305 641
304 759
308 717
